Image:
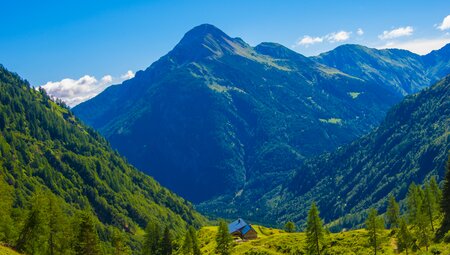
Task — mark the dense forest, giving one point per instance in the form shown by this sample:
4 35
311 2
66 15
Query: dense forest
62 186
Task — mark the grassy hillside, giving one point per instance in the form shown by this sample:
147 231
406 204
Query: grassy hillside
7 251
274 241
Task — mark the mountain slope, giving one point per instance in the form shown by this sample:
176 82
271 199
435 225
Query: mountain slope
216 116
412 144
401 71
44 147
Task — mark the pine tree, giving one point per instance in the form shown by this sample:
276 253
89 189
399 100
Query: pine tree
375 226
445 203
32 237
118 242
152 239
315 233
414 203
166 243
289 227
7 226
57 225
430 204
88 242
186 248
393 212
404 237
223 239
195 244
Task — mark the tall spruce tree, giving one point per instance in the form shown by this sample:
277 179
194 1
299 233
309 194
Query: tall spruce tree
445 203
88 242
224 241
393 213
186 248
195 244
152 239
414 202
430 204
404 237
119 244
315 233
374 226
166 243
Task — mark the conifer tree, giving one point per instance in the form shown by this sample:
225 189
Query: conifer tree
187 244
7 226
445 203
289 227
195 244
404 237
32 237
315 233
152 239
88 242
223 239
374 226
393 213
430 204
166 243
118 242
414 203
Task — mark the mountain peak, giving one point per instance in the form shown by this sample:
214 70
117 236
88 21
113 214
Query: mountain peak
205 41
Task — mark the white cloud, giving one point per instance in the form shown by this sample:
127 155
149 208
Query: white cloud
445 24
398 32
127 75
418 46
359 31
338 36
73 92
308 40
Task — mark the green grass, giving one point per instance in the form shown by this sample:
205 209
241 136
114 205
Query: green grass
274 241
7 251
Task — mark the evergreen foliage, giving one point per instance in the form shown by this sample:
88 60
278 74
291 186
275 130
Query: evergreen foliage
87 240
53 168
290 227
393 213
315 233
445 203
223 239
375 227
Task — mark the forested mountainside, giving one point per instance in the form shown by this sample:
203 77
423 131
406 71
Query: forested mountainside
400 71
411 145
45 150
224 117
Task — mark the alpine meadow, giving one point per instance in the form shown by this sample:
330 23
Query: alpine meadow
224 127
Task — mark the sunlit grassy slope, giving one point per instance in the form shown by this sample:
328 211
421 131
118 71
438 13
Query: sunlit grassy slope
275 241
7 251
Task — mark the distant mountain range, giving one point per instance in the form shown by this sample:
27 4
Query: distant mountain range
411 145
221 122
44 147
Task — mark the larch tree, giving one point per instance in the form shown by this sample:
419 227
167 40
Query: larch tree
375 227
88 242
152 239
393 212
315 233
445 203
404 237
224 241
166 243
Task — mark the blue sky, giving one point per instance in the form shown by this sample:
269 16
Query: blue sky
54 40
